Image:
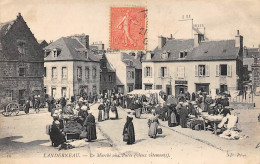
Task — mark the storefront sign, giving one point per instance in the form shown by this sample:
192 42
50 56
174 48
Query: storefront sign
180 82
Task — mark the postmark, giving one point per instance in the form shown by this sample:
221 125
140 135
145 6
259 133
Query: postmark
128 28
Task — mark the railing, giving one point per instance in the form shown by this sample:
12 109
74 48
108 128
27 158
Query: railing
249 98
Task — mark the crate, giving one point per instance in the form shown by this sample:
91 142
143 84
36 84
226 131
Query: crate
70 136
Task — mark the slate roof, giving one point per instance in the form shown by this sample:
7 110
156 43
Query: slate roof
71 49
206 51
136 63
4 27
110 68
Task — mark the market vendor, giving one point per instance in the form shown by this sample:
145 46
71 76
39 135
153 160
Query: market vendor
56 134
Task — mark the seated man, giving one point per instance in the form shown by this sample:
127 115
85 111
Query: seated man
56 135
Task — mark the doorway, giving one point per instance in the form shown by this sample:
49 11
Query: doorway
203 87
180 89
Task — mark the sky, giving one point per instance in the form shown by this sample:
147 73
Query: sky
52 19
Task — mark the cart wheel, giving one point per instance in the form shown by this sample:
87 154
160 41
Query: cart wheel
12 108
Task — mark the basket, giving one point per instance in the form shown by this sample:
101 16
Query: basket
70 136
159 130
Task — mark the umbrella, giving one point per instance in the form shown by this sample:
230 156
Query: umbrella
171 100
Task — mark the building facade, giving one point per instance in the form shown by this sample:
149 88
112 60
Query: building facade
193 65
71 68
127 68
21 62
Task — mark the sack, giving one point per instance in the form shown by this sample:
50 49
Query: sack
48 129
83 134
126 137
159 130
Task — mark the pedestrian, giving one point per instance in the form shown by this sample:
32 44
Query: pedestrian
27 106
107 109
37 104
114 112
153 123
172 121
90 127
129 130
138 108
183 115
63 104
101 109
56 135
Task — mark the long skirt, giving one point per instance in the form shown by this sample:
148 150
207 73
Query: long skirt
138 112
100 116
106 115
153 129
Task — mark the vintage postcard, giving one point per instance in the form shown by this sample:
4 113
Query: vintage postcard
134 81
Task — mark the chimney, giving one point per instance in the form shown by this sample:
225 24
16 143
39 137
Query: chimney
161 42
87 41
239 40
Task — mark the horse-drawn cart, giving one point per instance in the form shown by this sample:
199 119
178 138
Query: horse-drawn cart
12 108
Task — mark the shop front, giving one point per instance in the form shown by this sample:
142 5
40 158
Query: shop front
203 87
180 87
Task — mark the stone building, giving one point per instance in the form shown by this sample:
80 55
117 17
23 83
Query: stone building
191 65
128 69
21 62
71 68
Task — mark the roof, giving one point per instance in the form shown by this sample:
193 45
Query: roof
207 50
71 49
4 27
136 63
248 62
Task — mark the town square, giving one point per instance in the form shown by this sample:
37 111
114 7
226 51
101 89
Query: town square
130 82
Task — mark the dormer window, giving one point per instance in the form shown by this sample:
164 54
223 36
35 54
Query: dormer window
165 55
148 56
183 54
130 63
55 53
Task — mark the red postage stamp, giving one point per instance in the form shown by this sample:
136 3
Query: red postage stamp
128 28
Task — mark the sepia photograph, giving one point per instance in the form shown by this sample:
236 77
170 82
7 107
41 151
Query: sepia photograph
133 81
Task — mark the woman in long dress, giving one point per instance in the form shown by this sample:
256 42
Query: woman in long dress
90 125
101 109
172 121
153 125
129 129
183 116
107 109
114 112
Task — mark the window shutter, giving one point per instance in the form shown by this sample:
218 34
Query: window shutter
178 74
183 72
151 71
229 70
166 72
196 70
159 72
217 70
145 71
207 70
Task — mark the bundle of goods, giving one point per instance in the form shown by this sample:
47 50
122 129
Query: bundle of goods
213 118
72 127
195 124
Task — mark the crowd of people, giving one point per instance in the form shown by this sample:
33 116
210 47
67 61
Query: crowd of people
177 113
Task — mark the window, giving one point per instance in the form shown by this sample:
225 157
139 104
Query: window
110 78
164 55
94 89
21 48
53 92
87 72
201 70
133 75
181 72
45 90
104 64
9 94
63 91
94 72
21 71
64 72
163 72
183 54
79 72
130 88
158 86
45 72
223 69
130 63
55 53
148 72
223 88
54 73
148 86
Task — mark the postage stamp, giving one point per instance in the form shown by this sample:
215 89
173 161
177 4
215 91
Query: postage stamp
128 28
